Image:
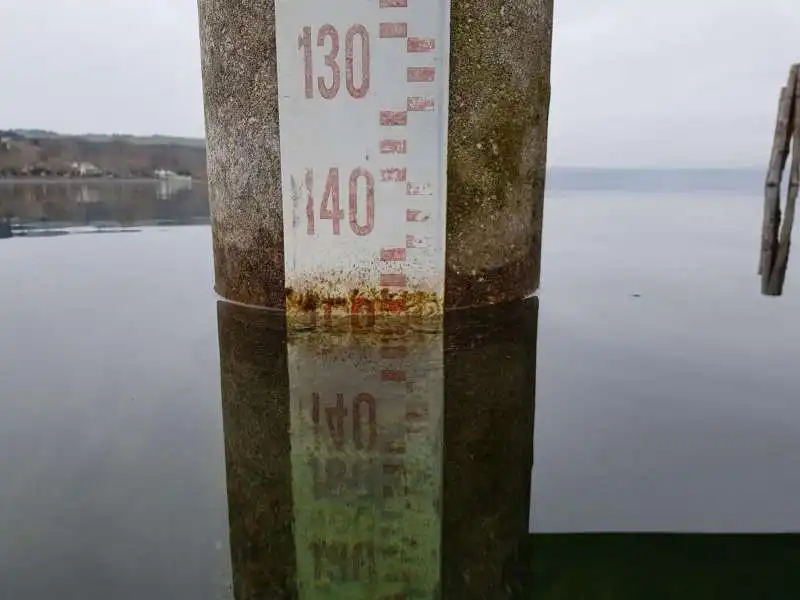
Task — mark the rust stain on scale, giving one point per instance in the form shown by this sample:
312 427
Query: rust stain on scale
364 311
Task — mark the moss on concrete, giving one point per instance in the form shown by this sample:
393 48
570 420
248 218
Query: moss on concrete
497 148
244 176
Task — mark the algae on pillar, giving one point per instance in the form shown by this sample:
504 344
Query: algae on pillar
241 104
497 148
492 63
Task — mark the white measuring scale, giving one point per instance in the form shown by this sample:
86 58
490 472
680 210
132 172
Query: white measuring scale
363 88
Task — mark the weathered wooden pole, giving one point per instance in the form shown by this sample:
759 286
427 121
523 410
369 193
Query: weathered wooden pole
376 156
776 237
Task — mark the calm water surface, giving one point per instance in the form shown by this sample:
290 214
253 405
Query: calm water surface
157 443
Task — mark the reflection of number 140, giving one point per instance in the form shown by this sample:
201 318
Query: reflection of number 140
334 416
330 206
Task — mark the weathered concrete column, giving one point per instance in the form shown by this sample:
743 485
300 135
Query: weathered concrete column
244 176
497 148
454 111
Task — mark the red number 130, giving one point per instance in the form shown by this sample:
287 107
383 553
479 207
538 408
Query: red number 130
329 90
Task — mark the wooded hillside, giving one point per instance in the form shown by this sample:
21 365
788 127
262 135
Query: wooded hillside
51 155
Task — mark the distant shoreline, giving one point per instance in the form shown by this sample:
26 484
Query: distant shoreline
86 180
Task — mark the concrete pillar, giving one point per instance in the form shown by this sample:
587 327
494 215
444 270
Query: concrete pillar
491 97
497 148
244 177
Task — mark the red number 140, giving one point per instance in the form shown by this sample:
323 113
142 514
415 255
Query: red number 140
330 207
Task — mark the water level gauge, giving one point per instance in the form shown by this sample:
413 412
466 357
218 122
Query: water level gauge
363 88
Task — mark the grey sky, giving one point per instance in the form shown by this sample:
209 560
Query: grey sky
635 82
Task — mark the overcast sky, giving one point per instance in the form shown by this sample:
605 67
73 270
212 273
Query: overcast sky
635 82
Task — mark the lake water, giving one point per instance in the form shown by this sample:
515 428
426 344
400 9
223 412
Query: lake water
50 206
157 443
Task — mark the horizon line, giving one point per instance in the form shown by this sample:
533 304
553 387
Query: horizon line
750 167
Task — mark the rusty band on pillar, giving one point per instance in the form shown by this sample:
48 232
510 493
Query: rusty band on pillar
497 90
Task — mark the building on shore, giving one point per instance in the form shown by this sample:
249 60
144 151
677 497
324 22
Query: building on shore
172 175
85 169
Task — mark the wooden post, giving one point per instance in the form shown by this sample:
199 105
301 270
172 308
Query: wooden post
775 249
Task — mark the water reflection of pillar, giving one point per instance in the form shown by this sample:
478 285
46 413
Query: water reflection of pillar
334 454
255 404
490 380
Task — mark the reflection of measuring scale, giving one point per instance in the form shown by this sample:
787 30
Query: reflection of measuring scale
363 127
366 463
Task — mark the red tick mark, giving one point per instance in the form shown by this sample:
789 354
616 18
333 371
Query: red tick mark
418 189
393 118
393 174
393 146
419 103
393 254
421 74
417 216
393 280
393 30
420 44
389 375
